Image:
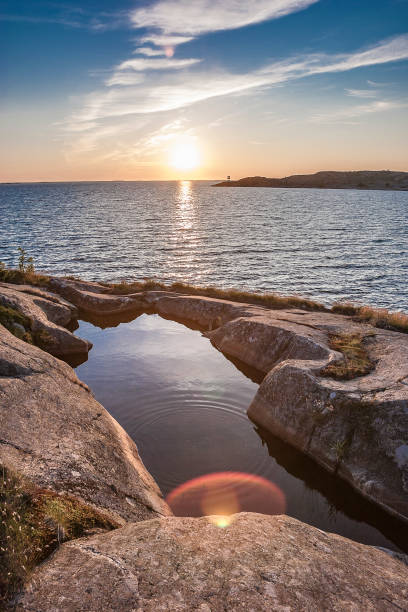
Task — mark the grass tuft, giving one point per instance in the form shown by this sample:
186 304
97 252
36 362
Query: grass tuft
25 274
378 317
356 360
33 523
17 277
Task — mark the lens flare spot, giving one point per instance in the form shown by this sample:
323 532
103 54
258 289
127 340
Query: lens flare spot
221 521
221 495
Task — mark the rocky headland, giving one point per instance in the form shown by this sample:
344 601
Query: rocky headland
344 407
360 179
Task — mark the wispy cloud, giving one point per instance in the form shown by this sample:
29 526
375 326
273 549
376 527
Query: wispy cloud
362 93
390 50
171 91
143 86
123 78
65 21
140 64
163 40
149 52
124 73
346 115
184 17
73 17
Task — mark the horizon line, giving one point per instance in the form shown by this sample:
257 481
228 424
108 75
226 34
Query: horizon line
141 180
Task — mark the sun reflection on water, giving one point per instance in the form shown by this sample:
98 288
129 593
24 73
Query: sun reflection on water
185 208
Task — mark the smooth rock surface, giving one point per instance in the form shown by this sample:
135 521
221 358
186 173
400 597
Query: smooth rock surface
49 313
357 428
55 433
94 298
258 563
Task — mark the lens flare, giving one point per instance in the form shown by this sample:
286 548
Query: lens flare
223 494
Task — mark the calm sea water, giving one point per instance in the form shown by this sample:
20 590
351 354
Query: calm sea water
184 403
327 244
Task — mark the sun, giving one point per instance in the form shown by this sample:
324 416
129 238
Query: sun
184 156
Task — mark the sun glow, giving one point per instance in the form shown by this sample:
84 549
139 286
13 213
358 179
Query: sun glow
184 155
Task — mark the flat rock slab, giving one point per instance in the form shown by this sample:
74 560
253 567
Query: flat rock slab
258 563
55 433
49 313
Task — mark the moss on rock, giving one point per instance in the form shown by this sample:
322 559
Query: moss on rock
34 522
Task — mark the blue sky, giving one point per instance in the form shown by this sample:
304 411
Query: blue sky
102 89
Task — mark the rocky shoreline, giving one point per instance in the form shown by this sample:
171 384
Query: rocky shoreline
59 437
386 180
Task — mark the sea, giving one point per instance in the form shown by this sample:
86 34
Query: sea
329 245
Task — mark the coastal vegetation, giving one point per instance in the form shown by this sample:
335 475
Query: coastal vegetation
17 323
356 361
21 327
34 522
24 274
378 317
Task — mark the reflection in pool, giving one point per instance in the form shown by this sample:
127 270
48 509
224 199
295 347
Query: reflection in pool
185 406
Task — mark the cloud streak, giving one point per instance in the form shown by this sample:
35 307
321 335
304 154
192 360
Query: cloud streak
164 91
362 93
193 18
73 17
347 114
143 91
140 64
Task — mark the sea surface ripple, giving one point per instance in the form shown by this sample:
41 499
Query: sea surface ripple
327 244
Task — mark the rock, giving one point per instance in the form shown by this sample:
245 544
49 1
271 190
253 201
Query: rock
56 434
48 314
357 428
94 298
258 562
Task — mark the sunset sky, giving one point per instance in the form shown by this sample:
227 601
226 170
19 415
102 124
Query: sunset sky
103 90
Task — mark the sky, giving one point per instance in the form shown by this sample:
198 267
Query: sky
200 89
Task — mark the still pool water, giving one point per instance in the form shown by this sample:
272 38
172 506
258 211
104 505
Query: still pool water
184 404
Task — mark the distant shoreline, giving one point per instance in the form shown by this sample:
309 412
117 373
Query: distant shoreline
384 180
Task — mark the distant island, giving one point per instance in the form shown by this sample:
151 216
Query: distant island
363 179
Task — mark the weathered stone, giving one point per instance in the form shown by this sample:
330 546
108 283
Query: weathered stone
357 428
48 314
258 563
94 298
55 433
